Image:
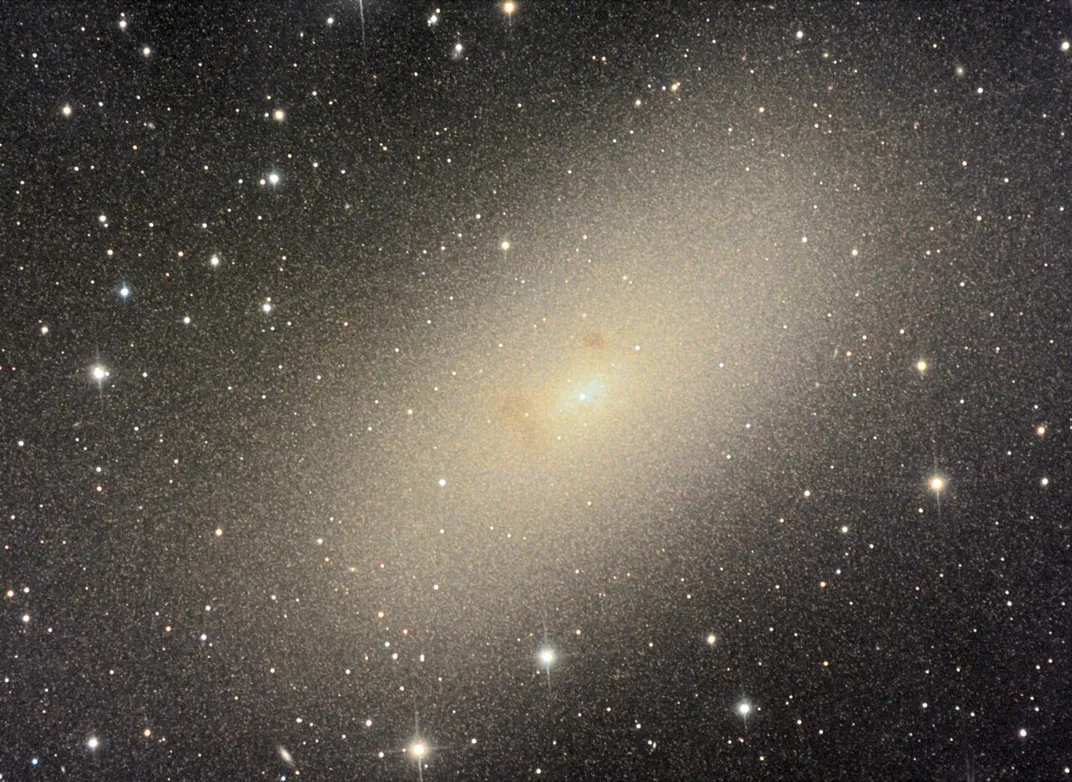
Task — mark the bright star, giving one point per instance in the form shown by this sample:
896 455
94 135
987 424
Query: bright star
937 483
744 708
547 656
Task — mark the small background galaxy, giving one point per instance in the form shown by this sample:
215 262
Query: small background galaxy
558 390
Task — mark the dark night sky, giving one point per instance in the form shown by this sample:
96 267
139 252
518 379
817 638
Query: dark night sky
354 355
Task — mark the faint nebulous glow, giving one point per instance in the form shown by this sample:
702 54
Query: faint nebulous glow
285 756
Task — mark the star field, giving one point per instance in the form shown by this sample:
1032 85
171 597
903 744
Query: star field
535 391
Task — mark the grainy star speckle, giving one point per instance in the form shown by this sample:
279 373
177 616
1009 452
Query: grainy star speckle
514 390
